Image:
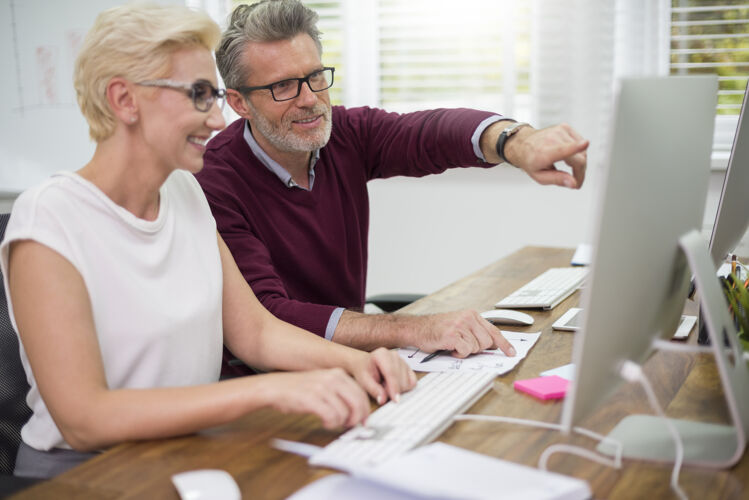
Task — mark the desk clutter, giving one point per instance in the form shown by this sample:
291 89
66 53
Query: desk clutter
419 471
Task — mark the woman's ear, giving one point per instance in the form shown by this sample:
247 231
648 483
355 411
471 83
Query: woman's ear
122 100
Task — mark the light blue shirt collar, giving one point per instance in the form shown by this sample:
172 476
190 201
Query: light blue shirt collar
274 166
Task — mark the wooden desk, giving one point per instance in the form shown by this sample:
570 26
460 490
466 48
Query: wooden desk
687 385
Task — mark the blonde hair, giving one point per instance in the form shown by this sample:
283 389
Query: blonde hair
136 42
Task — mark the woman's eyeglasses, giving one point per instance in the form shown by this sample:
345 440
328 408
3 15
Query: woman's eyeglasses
202 92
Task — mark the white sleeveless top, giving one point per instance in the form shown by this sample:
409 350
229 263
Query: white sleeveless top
155 286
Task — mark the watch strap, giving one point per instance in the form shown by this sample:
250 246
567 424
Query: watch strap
506 134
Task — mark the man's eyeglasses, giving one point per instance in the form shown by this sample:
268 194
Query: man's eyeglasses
288 89
202 92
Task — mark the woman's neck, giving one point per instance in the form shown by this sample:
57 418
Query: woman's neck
127 178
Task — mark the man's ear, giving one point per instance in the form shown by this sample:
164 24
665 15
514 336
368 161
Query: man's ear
122 100
238 104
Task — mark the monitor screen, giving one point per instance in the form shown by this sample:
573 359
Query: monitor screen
653 192
732 217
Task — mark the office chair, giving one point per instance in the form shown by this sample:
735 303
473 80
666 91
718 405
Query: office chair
13 388
390 302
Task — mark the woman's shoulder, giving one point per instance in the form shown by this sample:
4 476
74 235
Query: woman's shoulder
49 195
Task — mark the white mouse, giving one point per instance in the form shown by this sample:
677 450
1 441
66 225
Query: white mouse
507 317
206 484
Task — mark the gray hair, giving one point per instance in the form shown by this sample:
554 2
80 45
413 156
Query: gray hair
264 21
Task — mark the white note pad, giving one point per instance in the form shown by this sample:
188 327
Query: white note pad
494 360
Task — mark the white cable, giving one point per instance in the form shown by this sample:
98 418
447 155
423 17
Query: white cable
633 372
510 420
575 450
667 345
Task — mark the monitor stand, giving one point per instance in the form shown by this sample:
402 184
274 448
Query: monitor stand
646 437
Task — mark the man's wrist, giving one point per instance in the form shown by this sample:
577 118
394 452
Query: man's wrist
367 331
504 136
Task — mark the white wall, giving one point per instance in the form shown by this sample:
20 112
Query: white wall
426 233
41 128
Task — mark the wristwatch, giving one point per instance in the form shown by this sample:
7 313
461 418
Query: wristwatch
506 134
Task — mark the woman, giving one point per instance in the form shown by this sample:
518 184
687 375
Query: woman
119 286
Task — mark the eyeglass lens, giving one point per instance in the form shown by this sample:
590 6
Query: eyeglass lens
289 89
203 95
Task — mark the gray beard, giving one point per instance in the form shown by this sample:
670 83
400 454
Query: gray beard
287 141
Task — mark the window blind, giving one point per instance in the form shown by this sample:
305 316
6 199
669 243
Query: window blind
435 53
713 37
332 28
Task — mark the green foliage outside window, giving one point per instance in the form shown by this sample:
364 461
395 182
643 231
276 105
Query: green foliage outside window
713 39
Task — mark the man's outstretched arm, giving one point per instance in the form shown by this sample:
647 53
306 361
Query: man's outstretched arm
536 151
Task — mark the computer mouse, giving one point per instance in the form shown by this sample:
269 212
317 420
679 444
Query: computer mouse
507 317
206 484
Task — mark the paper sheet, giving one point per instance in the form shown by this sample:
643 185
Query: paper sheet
439 470
494 360
341 486
566 371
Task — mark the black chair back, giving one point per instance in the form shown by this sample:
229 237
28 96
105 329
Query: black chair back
14 412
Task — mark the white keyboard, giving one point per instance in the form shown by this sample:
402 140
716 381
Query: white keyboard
547 289
420 416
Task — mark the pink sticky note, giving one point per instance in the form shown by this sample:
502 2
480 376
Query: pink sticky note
551 387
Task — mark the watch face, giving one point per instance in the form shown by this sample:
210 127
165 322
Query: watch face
514 128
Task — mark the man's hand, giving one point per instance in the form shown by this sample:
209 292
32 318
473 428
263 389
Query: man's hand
463 332
536 151
383 374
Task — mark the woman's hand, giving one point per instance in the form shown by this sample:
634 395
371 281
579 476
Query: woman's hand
383 374
330 394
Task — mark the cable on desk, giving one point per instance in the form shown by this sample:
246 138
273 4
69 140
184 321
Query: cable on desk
631 372
665 345
616 463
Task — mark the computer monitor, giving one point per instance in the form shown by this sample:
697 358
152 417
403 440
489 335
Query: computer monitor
653 194
732 217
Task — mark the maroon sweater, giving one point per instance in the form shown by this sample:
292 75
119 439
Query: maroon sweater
304 253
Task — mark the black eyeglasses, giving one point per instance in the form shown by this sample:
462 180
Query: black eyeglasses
202 92
288 89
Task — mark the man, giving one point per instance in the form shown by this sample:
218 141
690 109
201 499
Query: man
287 182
